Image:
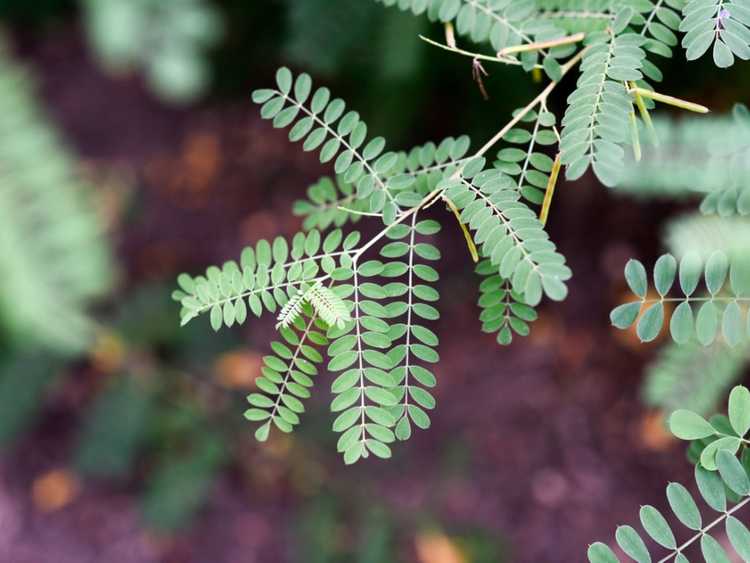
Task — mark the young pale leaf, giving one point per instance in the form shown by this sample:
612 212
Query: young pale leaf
687 425
739 409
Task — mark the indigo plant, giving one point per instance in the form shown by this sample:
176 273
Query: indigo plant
367 304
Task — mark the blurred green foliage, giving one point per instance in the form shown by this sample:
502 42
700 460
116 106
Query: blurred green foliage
115 427
166 40
53 260
338 529
23 381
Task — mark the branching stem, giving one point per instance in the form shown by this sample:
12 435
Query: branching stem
438 192
474 56
559 42
703 531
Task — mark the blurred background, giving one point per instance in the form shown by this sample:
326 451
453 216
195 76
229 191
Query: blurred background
130 152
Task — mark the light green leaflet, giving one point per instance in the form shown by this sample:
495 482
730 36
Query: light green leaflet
727 476
368 304
721 309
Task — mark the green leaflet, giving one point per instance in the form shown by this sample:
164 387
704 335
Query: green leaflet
697 157
723 310
503 310
287 375
501 23
574 16
688 425
267 277
412 375
729 475
377 311
382 353
322 124
525 158
718 24
330 203
693 376
718 434
168 42
595 125
509 233
658 22
362 392
414 174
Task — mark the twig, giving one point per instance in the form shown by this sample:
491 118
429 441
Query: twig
538 46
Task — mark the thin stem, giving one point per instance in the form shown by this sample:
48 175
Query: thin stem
356 212
559 42
530 150
253 291
437 192
508 287
696 299
651 16
289 370
718 28
357 320
409 314
480 56
501 20
518 242
594 114
400 219
533 103
703 531
341 203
